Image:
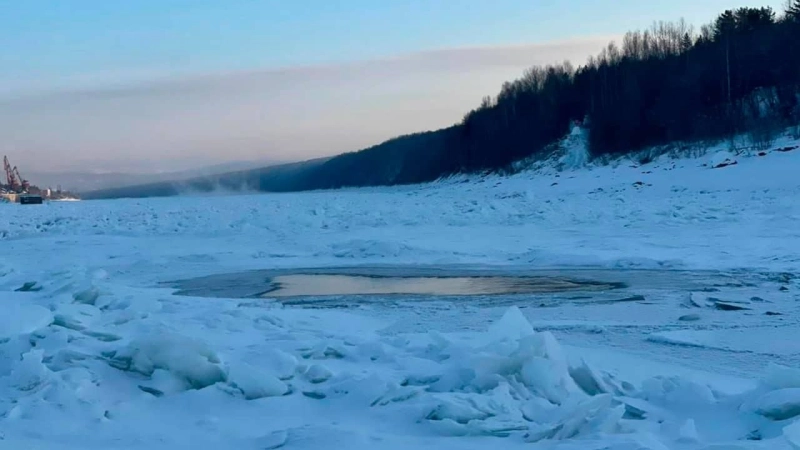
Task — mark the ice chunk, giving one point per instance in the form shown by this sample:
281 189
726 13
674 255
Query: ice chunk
189 359
374 351
638 409
318 374
281 364
88 296
326 350
781 377
29 286
677 391
538 410
780 404
543 345
586 379
689 318
792 435
397 394
491 427
103 336
727 306
276 439
688 432
438 342
512 326
254 383
454 378
488 363
50 339
316 395
166 382
75 316
695 300
449 427
67 358
595 415
494 427
544 367
18 318
460 409
100 274
543 377
30 373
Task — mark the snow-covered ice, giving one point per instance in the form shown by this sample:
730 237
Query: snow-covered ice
95 353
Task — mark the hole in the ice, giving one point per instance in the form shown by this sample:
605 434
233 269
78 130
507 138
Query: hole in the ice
544 286
397 281
316 285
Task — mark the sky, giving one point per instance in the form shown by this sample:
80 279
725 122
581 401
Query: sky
160 85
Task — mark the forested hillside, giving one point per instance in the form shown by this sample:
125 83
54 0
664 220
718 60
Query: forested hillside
670 83
739 75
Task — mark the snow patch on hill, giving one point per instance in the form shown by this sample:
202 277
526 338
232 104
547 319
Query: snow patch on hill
575 149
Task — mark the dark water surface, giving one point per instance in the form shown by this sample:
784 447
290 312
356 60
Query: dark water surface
297 285
450 281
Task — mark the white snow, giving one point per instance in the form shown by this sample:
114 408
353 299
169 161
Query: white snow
95 354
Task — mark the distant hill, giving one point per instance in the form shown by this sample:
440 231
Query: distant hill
414 158
90 181
279 178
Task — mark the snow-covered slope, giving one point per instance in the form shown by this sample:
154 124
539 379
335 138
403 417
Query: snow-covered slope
93 355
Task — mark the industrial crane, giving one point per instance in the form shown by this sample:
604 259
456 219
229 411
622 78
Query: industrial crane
11 179
14 180
22 181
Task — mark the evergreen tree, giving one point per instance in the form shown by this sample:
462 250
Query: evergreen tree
686 42
793 11
725 25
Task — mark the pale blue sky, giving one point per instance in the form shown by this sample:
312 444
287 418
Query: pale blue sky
89 45
46 39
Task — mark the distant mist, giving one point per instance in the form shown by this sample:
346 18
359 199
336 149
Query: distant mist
77 181
164 124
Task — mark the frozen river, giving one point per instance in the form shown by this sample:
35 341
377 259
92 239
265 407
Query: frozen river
496 312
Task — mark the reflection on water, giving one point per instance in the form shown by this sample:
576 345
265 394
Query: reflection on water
348 286
296 285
